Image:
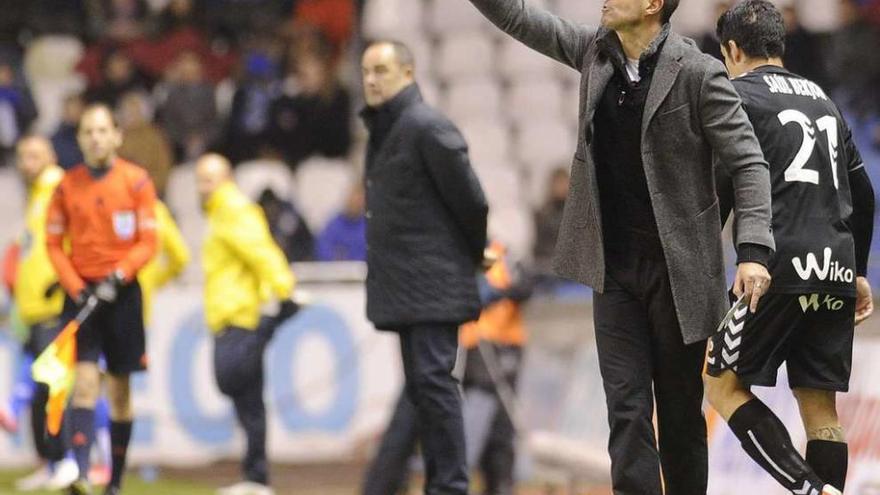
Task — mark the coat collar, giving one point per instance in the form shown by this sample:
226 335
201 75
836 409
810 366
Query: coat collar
381 117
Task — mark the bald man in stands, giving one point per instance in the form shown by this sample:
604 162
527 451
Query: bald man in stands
241 260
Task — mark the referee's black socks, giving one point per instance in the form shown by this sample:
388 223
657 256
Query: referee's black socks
764 437
829 460
82 430
120 435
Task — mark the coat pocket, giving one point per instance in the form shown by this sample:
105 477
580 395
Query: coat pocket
708 231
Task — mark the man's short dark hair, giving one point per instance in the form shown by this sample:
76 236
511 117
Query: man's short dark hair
402 52
757 28
669 7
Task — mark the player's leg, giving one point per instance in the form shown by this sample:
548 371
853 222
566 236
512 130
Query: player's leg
86 389
123 342
121 421
827 451
819 368
749 352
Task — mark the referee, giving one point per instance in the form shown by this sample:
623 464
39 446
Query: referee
243 268
105 210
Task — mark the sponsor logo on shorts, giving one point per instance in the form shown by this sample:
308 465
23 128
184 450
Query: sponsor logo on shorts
831 270
811 302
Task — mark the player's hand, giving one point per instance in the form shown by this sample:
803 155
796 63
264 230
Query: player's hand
82 297
753 280
108 289
864 300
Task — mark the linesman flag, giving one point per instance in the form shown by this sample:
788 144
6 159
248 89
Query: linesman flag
55 367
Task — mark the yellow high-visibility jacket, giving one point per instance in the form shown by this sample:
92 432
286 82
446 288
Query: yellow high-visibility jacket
243 265
35 272
172 256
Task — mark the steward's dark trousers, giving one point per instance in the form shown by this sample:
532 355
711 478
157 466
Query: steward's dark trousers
429 353
238 369
389 470
641 351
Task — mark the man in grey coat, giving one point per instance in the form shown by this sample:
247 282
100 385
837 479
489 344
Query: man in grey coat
641 223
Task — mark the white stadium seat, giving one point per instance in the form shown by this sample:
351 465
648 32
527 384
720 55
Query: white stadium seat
472 99
516 60
255 176
321 186
451 16
488 141
383 18
535 98
465 55
543 144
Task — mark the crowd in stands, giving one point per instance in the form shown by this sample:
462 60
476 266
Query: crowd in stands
273 83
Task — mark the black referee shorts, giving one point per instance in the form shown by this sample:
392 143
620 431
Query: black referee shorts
811 333
114 330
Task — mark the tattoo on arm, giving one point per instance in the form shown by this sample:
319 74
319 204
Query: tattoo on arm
829 433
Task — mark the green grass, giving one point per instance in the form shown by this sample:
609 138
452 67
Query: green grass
133 486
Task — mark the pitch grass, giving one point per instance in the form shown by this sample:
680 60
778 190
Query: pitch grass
133 486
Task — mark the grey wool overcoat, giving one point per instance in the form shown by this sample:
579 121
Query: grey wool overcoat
693 119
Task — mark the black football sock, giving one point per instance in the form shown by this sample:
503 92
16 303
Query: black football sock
764 437
82 431
120 435
829 460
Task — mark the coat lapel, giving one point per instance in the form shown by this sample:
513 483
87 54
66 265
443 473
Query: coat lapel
668 67
600 75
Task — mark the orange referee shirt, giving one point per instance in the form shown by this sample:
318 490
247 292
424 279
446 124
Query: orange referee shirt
109 222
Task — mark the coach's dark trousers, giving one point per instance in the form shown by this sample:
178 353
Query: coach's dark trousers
238 369
429 353
641 349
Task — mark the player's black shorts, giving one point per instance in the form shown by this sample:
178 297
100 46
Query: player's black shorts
41 335
812 334
115 331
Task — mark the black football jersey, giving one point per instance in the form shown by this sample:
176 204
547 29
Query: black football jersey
810 151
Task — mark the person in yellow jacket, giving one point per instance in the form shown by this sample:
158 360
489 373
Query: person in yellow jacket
38 303
244 268
171 258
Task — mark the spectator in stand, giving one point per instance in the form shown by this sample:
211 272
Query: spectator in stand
802 53
709 41
118 20
287 226
855 75
547 220
17 109
248 122
180 15
188 111
313 113
344 238
143 142
334 18
64 138
119 76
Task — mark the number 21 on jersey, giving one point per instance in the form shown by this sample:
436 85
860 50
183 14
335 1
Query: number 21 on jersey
828 125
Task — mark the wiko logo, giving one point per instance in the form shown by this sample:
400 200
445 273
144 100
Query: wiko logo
811 301
831 271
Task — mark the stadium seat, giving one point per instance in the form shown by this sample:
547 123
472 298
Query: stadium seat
544 143
471 99
514 227
501 183
534 98
465 55
320 188
580 11
12 215
254 176
516 60
445 16
488 141
49 64
387 17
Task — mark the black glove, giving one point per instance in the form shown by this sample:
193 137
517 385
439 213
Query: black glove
51 290
108 289
287 309
83 296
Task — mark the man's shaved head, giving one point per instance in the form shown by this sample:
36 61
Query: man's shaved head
387 68
33 154
212 171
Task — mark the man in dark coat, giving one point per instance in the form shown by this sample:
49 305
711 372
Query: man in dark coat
426 231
